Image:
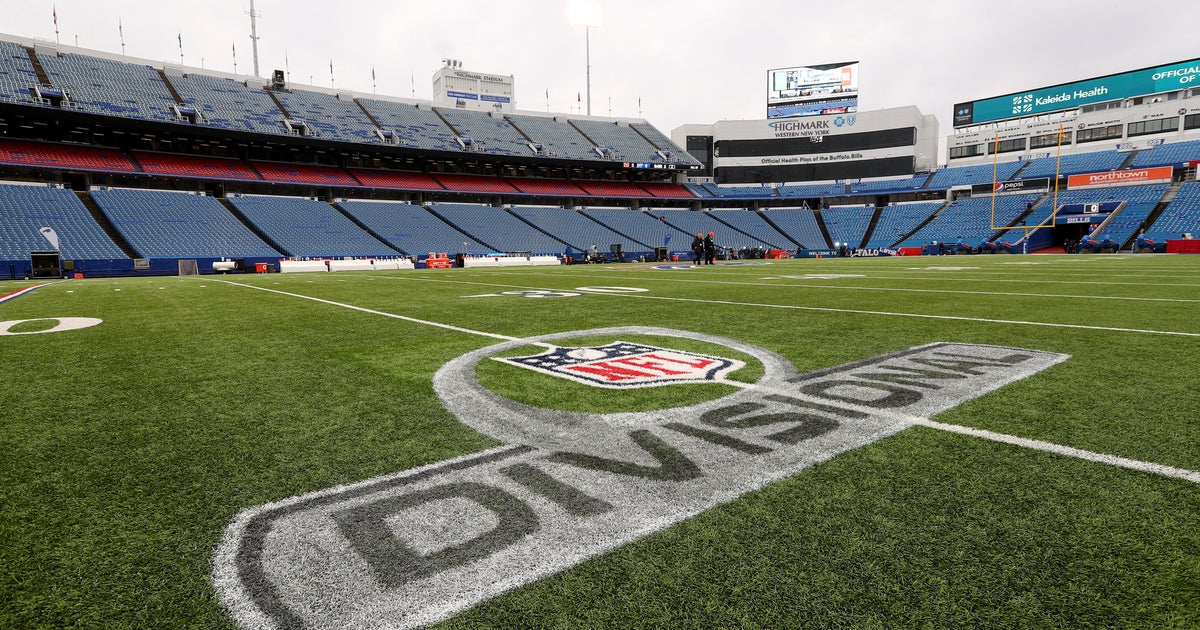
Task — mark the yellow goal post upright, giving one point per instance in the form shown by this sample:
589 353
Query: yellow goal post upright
995 170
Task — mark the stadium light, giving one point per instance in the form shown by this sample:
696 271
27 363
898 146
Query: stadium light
586 13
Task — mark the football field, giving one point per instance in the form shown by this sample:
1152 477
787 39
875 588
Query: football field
999 441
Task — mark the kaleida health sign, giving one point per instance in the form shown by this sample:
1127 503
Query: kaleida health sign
1157 175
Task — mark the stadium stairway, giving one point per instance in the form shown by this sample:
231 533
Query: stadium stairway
824 228
275 99
932 215
1109 219
432 209
871 226
1021 217
362 226
609 227
370 117
250 225
42 76
449 126
786 243
779 228
170 88
1159 207
666 219
508 210
1017 173
105 224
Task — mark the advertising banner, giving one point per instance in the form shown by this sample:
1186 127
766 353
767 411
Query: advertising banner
1157 175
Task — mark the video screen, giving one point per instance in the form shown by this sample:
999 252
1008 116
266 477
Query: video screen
812 90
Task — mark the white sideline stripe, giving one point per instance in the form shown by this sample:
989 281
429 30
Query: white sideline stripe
1058 449
816 283
414 320
1015 322
1025 281
19 292
1037 445
875 274
1113 460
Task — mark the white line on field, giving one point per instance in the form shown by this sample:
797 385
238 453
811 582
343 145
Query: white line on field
821 309
414 320
817 283
1049 447
1037 445
878 274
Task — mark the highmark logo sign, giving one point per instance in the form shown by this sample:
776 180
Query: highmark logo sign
412 548
800 128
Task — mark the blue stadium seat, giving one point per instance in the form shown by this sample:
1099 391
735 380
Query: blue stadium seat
228 104
308 227
800 225
1172 154
26 209
411 228
574 228
752 223
641 227
499 229
1092 162
111 88
848 224
692 222
16 74
414 126
169 224
898 219
1181 216
970 220
329 117
490 134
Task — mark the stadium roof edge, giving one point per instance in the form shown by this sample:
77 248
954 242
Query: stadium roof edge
164 64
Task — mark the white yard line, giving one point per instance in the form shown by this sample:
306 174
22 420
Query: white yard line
817 283
361 309
820 309
1039 445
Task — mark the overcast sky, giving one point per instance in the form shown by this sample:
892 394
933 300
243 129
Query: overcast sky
689 61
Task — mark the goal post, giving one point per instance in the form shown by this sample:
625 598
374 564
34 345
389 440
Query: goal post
188 268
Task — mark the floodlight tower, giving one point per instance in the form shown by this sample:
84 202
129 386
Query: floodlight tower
587 13
254 15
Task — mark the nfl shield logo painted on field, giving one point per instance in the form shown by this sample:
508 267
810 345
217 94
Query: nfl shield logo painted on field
623 364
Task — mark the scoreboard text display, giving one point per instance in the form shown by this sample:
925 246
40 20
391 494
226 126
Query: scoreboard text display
830 88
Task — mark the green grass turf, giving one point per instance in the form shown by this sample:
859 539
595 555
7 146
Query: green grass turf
129 446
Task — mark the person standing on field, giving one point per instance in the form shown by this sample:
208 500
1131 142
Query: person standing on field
710 249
